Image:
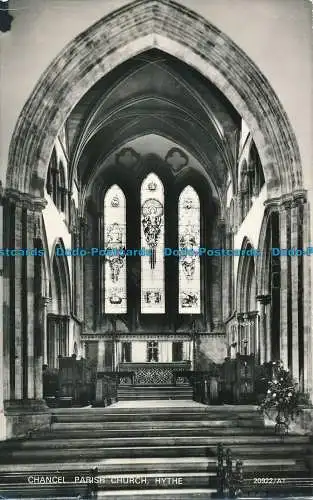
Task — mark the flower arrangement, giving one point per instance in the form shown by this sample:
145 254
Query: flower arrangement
282 398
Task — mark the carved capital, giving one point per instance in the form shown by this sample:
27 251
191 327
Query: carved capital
286 201
28 201
264 299
45 301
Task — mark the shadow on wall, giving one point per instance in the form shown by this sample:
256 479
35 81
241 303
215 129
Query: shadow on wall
211 350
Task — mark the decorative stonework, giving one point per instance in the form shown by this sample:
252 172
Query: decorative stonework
29 201
155 373
153 376
127 157
128 337
177 159
26 416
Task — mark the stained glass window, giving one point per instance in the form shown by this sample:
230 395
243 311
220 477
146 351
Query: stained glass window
115 301
189 243
152 240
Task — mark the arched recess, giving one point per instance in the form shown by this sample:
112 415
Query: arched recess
244 190
246 278
269 289
59 310
133 29
51 183
247 315
60 282
263 262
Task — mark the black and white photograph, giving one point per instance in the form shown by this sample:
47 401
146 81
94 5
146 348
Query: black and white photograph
156 251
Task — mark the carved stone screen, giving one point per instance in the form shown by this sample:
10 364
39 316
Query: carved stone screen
152 239
189 243
115 301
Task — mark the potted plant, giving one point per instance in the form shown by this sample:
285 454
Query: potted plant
282 400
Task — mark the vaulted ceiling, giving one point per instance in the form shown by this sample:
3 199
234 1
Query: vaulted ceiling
153 95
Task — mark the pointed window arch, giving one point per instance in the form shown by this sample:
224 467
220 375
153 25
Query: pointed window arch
152 240
189 243
115 300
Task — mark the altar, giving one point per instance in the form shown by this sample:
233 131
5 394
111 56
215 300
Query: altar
151 373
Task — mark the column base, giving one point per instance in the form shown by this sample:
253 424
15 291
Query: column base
3 426
25 416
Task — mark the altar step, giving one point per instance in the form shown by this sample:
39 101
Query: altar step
149 447
144 392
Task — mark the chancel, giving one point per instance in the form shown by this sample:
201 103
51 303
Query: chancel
163 144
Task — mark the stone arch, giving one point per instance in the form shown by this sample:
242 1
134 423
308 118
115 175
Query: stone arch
246 278
263 262
46 272
133 29
60 279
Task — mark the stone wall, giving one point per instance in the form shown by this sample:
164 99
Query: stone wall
211 349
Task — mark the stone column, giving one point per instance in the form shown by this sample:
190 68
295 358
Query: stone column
224 269
307 306
45 302
254 335
83 351
42 358
240 329
89 274
25 408
19 287
30 275
246 339
264 331
283 233
101 355
80 271
228 277
295 290
217 276
2 420
101 264
192 354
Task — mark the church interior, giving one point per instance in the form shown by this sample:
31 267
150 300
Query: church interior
153 171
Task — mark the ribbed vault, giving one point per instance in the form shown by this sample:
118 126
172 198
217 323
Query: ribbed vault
121 36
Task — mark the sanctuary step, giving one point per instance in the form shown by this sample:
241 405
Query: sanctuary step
154 392
154 450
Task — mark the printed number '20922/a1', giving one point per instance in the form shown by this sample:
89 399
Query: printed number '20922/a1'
268 480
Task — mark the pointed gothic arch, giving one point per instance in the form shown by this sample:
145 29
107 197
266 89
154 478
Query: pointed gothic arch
60 279
246 279
133 29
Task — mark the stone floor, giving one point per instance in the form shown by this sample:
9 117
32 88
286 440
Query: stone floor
168 403
162 441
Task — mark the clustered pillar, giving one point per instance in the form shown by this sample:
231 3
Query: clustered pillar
294 345
23 314
292 334
264 328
